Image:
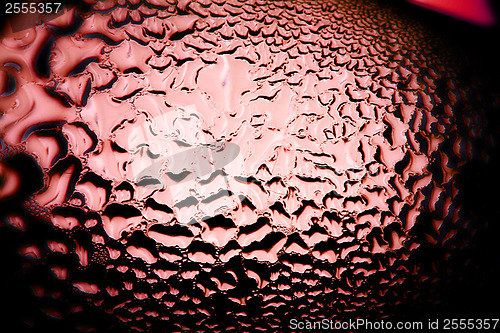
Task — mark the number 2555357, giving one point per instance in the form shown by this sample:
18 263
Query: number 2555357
32 8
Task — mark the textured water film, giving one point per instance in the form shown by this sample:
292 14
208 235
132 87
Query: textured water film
228 165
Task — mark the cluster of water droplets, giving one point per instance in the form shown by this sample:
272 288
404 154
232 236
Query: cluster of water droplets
231 164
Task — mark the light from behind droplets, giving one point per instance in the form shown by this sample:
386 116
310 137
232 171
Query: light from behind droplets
227 165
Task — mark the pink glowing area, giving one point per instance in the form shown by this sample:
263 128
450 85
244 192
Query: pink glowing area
478 12
314 145
187 140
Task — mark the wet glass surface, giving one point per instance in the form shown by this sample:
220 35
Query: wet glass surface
230 165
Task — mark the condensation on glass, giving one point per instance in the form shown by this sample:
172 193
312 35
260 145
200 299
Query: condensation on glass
230 159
